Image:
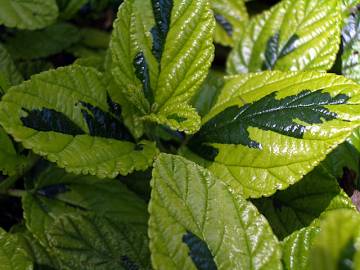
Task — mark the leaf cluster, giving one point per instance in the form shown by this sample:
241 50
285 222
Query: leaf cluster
179 134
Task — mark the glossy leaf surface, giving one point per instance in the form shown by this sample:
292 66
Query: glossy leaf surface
297 248
161 52
197 222
293 35
351 47
230 16
70 108
335 248
260 137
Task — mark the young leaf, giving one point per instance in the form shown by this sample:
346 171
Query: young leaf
337 244
8 71
297 247
197 222
28 14
351 47
301 204
67 116
276 130
90 242
230 16
161 52
293 35
42 43
12 257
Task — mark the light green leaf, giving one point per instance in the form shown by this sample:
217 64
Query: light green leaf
8 71
197 222
347 5
159 61
301 204
12 257
354 139
42 43
130 113
28 14
70 108
351 47
90 242
293 35
277 126
337 244
230 16
297 247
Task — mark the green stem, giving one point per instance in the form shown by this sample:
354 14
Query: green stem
16 193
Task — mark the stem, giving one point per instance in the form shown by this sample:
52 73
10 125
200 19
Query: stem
16 193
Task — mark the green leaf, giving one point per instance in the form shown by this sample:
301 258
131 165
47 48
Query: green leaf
293 35
56 193
345 156
94 38
130 114
81 121
104 196
69 8
42 259
12 257
42 43
28 14
230 16
276 130
206 97
337 244
351 47
90 242
32 67
297 247
301 204
41 212
161 52
346 6
10 161
8 70
197 222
